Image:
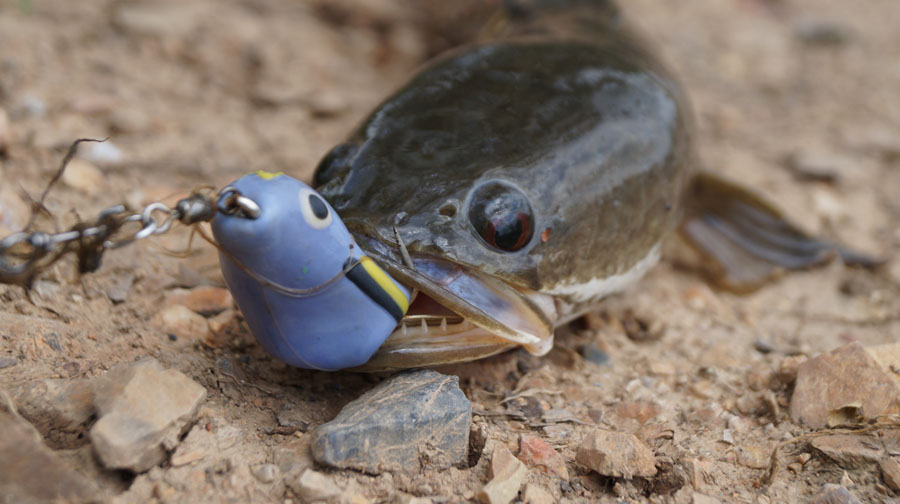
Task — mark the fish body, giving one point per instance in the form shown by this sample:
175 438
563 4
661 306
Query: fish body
508 187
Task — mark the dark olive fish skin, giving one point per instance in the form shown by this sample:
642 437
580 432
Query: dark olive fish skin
566 106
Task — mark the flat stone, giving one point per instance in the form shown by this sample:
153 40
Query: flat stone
411 419
845 376
890 471
205 300
616 454
31 472
848 450
56 405
143 410
536 494
536 452
834 494
6 362
313 486
507 475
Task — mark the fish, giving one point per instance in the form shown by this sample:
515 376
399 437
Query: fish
515 182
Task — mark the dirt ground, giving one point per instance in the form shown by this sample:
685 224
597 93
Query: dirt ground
786 93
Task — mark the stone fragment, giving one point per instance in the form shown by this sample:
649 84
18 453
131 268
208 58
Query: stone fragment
642 411
616 454
266 473
848 450
507 475
221 327
143 410
534 451
890 471
182 322
412 418
834 494
83 176
6 362
845 376
700 471
56 405
205 300
121 286
536 494
31 472
313 486
6 132
754 456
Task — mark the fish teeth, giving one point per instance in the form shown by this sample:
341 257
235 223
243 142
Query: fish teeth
444 324
424 327
403 327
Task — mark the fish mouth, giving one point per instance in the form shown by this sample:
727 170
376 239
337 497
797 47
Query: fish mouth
461 314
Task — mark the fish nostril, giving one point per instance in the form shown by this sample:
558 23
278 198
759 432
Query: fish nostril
448 209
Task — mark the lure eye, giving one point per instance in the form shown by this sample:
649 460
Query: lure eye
314 209
502 216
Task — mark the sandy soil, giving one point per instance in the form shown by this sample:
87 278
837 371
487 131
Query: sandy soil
200 92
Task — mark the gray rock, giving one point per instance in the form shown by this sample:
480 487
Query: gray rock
848 450
834 494
57 408
419 417
6 362
143 410
31 472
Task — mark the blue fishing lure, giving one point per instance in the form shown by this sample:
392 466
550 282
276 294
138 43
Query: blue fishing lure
309 294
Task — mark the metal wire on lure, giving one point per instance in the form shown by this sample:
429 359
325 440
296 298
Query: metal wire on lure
24 255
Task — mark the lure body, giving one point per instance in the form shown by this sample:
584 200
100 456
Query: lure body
286 270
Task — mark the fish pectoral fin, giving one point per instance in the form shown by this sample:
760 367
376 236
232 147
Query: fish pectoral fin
746 241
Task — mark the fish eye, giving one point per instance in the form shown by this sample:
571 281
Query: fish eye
501 215
314 209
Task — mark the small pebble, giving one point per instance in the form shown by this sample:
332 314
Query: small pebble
118 291
6 362
143 409
616 454
182 322
507 475
534 451
834 494
313 486
266 473
593 353
536 494
103 153
205 300
845 376
6 132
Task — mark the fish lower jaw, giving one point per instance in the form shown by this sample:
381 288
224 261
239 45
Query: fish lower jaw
415 326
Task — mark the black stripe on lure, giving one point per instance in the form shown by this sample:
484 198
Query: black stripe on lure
311 297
